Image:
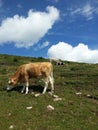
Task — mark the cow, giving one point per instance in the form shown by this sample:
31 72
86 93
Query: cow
58 61
36 70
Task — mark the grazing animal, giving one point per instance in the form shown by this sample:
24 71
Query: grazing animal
57 61
42 70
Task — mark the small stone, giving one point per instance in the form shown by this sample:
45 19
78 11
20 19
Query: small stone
29 108
9 114
78 93
88 95
32 93
11 127
50 108
50 93
57 99
36 95
55 96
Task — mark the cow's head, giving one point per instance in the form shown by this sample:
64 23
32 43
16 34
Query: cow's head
11 83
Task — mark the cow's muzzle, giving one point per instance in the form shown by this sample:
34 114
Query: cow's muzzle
9 88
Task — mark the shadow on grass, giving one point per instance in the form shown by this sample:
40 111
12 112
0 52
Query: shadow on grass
32 88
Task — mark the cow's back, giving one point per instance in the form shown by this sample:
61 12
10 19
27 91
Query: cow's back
38 69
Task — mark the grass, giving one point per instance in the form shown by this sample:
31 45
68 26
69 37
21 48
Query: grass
73 112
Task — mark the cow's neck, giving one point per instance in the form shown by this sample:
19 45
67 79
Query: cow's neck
16 75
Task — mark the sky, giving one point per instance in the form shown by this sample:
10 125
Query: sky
61 29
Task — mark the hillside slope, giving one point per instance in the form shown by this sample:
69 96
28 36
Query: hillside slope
75 83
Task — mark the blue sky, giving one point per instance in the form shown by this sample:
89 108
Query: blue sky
65 29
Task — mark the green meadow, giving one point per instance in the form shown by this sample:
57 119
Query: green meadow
76 84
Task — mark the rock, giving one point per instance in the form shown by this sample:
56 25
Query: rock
50 93
9 114
32 93
88 95
11 126
50 108
79 93
29 108
57 99
36 95
55 96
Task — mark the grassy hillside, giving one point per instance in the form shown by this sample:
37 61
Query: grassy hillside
75 83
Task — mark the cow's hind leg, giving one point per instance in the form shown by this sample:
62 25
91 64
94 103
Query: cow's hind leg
46 85
51 80
27 85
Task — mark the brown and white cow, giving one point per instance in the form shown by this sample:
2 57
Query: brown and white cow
42 70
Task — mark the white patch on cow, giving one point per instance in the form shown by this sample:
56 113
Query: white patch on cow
9 82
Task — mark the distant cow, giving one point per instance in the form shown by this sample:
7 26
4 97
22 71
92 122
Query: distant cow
42 70
58 61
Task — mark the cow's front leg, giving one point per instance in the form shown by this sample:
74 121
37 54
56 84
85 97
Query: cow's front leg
46 85
27 85
45 88
52 83
23 89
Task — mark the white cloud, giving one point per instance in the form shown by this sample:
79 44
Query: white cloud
79 53
87 11
42 46
27 31
45 44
